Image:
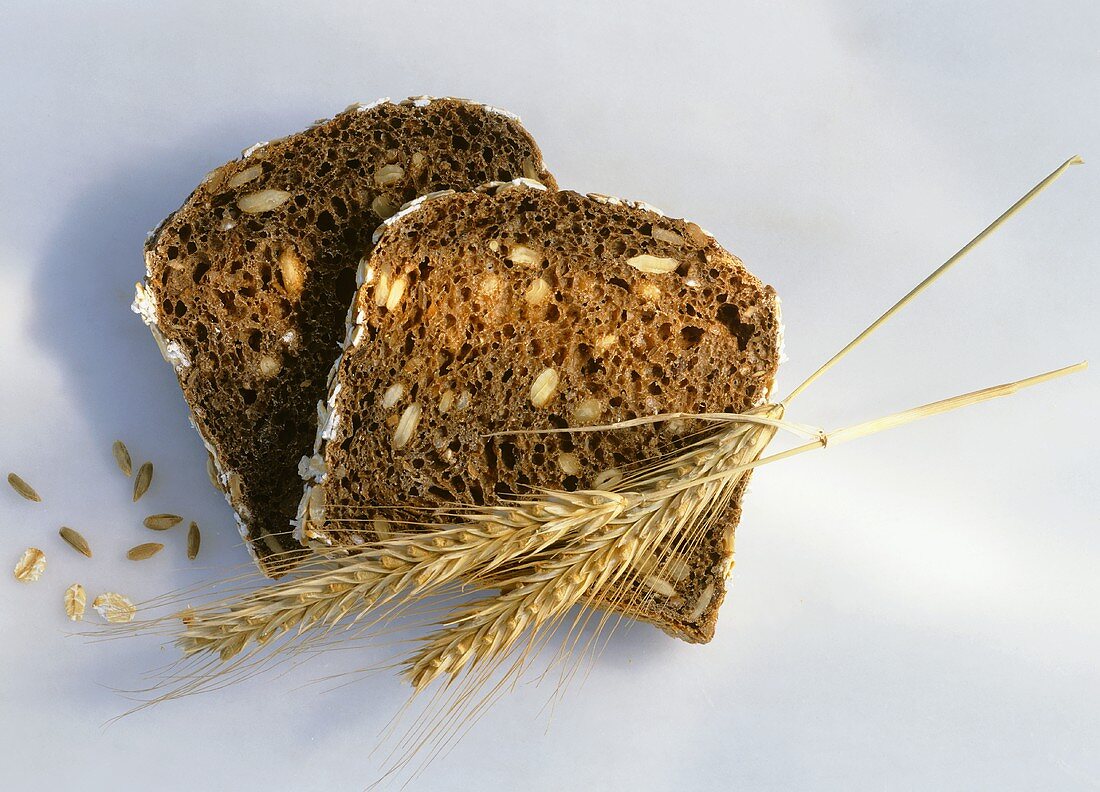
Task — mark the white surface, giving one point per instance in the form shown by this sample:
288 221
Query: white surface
920 610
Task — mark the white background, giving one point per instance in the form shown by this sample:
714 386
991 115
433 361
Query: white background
920 610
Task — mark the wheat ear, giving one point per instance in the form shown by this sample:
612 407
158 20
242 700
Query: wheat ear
601 557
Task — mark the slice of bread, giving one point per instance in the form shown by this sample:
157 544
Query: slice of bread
517 308
248 283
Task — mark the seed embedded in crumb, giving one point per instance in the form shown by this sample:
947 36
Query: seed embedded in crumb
570 464
701 604
544 387
382 285
653 264
383 207
521 254
446 400
392 395
660 585
143 480
397 291
388 174
262 201
75 540
122 457
538 292
162 522
245 176
142 551
406 426
269 366
194 541
665 235
31 566
75 600
697 234
23 488
114 607
293 271
588 411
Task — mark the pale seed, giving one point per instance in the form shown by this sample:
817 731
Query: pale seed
23 488
521 254
75 600
538 292
245 176
392 395
75 540
122 457
293 271
570 464
397 291
665 235
653 264
544 387
31 566
262 201
142 551
162 522
143 480
194 540
388 174
406 426
114 607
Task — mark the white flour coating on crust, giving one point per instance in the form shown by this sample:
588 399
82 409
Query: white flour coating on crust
248 152
362 108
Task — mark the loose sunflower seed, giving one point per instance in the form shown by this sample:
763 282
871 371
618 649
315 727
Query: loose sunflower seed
142 551
194 540
122 457
75 600
31 566
75 540
143 480
114 607
23 488
162 522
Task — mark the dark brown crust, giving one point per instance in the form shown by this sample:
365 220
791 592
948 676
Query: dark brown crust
701 338
224 281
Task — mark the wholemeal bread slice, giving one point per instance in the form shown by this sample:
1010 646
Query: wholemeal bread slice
514 308
248 283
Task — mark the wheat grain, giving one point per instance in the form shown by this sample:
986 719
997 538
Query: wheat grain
75 540
194 541
143 480
23 488
162 522
143 551
122 457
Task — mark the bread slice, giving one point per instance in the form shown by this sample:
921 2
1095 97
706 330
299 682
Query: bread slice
249 282
518 308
